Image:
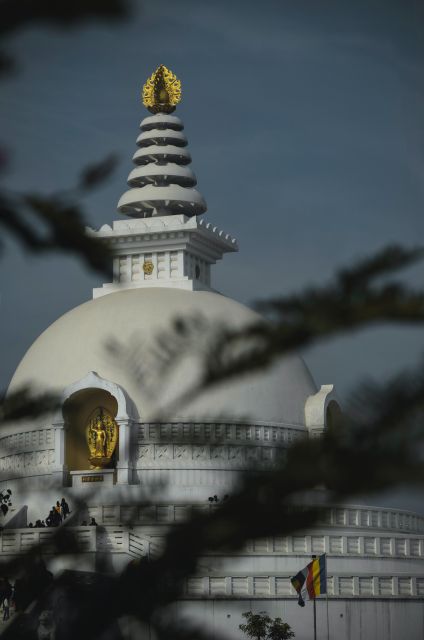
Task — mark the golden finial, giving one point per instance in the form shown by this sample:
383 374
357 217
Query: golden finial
162 91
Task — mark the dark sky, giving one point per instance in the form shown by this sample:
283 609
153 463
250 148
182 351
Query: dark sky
305 122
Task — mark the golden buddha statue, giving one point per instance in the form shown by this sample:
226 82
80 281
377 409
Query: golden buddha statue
102 438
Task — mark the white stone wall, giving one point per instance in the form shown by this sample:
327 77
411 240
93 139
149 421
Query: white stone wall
263 569
27 453
349 618
233 446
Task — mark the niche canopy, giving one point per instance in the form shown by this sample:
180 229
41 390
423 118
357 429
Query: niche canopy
162 184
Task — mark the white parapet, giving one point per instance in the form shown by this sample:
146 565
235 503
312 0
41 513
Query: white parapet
168 251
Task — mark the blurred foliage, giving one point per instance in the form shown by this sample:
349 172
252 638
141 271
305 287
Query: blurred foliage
358 297
376 448
55 222
26 404
20 14
17 15
52 223
379 451
5 501
60 215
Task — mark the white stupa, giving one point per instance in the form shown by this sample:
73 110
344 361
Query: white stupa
163 254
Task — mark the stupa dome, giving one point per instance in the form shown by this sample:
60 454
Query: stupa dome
77 343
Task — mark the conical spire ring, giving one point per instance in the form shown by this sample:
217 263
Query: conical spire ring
161 184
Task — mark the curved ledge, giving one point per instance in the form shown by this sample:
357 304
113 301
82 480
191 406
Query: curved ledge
162 152
161 137
162 175
163 201
161 121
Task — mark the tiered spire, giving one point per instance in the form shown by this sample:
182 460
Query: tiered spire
164 244
161 184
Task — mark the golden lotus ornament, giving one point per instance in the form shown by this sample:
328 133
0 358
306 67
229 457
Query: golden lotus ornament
162 91
102 438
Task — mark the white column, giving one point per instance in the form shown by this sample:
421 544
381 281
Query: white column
129 267
124 464
181 263
167 274
116 269
59 469
155 274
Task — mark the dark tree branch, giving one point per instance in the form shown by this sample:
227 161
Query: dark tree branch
23 13
53 223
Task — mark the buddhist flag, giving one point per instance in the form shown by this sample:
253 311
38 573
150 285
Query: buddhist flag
316 581
315 576
298 582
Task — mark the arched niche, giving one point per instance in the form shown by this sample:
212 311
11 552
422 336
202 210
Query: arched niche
333 416
79 400
321 410
77 410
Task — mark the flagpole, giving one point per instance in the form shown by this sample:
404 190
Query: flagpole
315 611
328 619
326 600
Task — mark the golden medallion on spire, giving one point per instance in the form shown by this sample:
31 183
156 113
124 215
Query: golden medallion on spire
162 91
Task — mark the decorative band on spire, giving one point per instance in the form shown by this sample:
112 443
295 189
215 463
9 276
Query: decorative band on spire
162 183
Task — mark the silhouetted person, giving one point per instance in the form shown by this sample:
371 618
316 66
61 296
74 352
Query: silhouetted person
65 508
93 523
56 519
6 606
30 525
53 519
58 510
6 588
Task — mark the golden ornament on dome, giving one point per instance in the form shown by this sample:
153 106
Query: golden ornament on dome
162 91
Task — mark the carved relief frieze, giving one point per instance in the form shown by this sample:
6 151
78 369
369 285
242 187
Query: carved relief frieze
198 454
219 453
36 440
253 454
146 452
236 444
29 459
235 454
25 464
182 452
164 452
219 433
266 454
